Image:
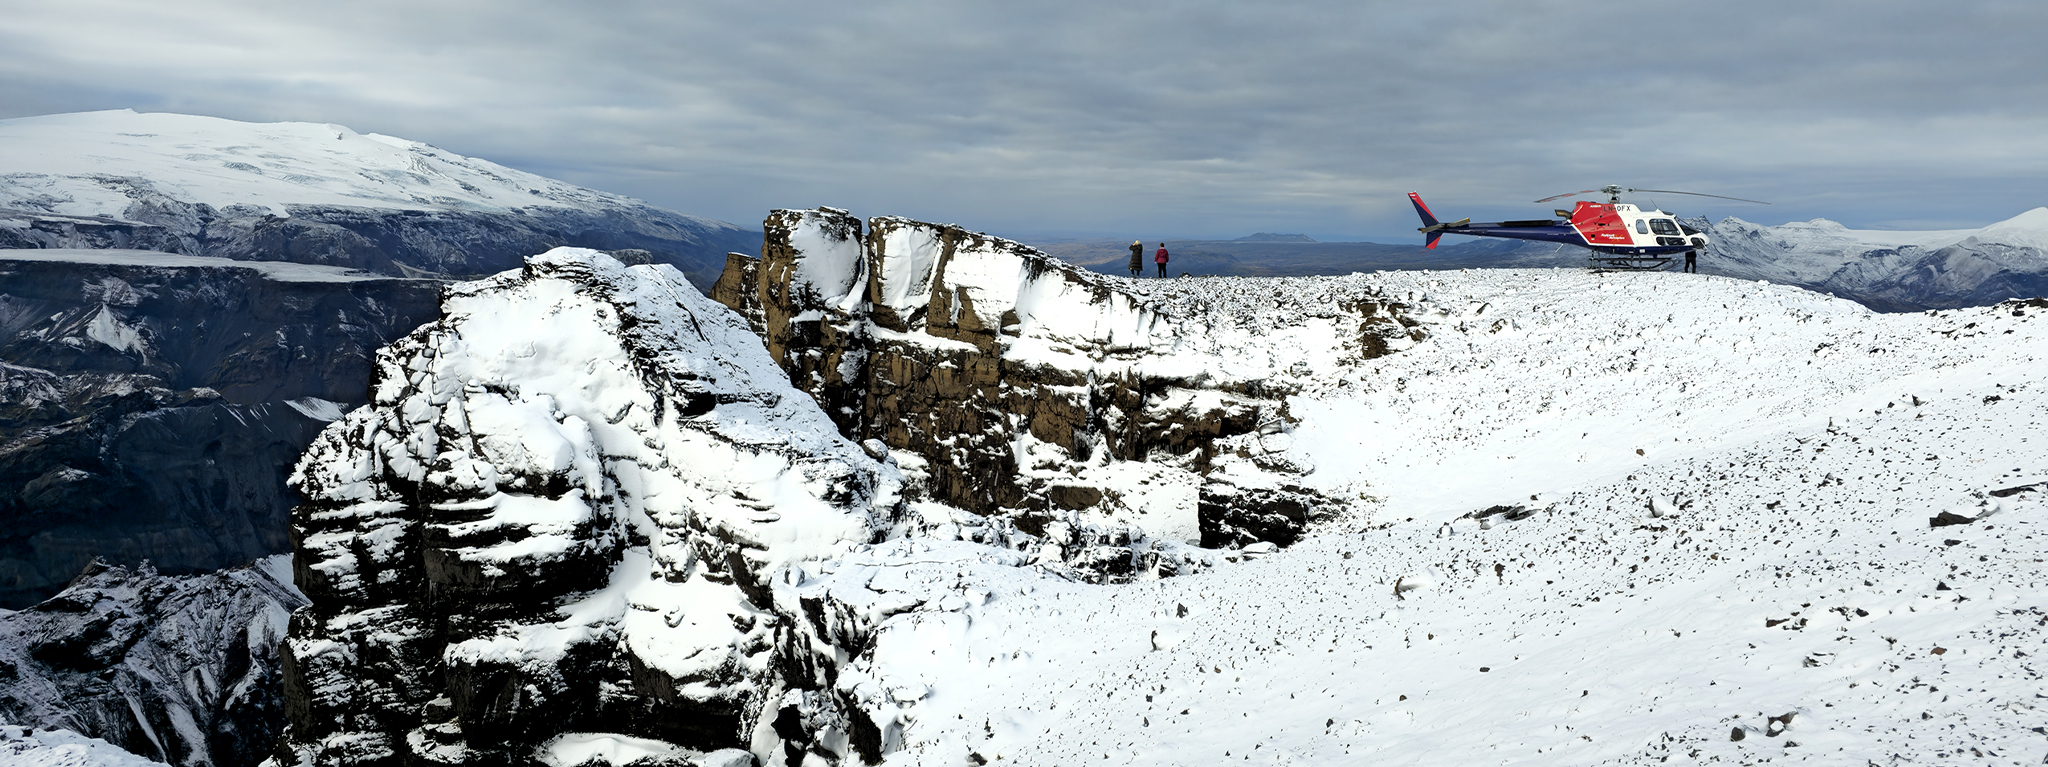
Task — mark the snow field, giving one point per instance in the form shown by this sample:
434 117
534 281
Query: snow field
1767 553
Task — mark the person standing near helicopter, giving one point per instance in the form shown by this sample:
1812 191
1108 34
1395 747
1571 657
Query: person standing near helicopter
1137 258
1692 263
1160 259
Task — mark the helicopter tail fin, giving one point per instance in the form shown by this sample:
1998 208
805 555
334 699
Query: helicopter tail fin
1431 244
1428 219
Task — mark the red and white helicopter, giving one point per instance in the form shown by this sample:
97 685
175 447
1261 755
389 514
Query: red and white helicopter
1621 236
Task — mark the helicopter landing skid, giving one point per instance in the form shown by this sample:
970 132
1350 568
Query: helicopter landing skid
1629 263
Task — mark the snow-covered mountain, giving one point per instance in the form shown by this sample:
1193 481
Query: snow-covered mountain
313 193
1574 518
1891 270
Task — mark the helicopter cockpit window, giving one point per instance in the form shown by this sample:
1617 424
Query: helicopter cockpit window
1664 225
1642 227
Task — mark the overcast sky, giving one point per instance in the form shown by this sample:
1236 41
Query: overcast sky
1138 119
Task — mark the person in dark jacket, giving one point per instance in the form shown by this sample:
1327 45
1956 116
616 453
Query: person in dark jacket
1137 258
1160 259
1692 263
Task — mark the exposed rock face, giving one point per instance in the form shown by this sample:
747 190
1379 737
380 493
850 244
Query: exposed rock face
1012 384
151 405
183 670
582 507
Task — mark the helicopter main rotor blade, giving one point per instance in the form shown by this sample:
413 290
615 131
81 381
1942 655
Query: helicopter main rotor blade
1569 194
1695 194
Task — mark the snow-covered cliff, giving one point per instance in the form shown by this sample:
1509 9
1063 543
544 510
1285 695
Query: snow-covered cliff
1598 519
310 193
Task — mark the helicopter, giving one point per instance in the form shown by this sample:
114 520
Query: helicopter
1621 236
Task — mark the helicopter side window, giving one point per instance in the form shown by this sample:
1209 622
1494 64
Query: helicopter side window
1664 225
1642 226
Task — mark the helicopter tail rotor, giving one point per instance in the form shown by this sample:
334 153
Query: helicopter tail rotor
1430 226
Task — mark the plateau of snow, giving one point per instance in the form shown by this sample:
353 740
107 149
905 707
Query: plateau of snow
1710 541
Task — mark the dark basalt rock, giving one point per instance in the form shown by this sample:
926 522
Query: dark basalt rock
1234 517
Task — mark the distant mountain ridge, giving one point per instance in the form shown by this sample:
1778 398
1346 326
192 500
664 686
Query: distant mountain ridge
1885 270
1891 270
314 193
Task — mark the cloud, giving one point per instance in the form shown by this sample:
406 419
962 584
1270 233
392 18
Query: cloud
1179 119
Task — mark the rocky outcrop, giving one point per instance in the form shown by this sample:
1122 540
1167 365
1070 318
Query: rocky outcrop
1011 384
582 508
183 670
150 408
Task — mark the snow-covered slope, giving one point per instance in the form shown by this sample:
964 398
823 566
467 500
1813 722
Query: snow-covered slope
27 747
1724 492
310 193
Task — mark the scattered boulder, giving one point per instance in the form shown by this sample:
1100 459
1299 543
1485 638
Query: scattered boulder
1948 518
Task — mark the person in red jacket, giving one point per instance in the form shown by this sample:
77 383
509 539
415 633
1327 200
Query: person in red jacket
1160 259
